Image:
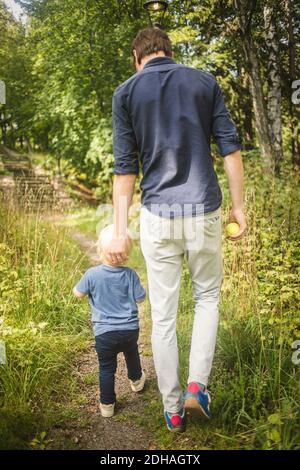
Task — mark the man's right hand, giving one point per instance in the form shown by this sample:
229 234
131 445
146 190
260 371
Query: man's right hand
117 252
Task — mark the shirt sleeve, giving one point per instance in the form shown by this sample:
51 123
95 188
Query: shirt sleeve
224 130
124 140
84 286
139 291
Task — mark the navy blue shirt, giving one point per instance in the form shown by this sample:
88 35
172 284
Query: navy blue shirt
113 293
165 116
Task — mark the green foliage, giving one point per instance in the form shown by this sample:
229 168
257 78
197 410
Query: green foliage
15 71
62 68
100 158
40 442
76 54
41 325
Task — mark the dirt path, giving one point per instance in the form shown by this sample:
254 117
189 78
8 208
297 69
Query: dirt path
91 431
87 246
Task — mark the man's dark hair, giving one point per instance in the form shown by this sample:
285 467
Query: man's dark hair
151 40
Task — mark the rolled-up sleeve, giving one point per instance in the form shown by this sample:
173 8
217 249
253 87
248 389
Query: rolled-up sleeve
125 146
224 130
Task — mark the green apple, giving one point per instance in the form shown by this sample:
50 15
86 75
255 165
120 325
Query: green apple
232 229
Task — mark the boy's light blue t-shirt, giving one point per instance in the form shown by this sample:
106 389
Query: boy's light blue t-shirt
113 293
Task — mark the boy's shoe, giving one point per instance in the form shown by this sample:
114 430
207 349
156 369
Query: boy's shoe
138 385
176 422
107 411
197 400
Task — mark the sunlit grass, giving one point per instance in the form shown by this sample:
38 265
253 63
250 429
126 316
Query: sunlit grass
41 324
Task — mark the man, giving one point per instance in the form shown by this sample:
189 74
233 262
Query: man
164 116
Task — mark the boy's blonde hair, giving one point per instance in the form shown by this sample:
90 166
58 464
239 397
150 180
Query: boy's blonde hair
105 237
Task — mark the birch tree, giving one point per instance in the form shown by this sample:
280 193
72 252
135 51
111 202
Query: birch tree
274 82
245 16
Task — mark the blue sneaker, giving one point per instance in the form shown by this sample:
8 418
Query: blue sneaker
197 400
176 422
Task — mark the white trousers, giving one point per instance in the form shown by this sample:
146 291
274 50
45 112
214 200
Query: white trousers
164 244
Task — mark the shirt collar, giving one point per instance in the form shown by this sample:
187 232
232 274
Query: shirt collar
112 268
160 60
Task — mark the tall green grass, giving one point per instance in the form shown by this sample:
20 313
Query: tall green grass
42 326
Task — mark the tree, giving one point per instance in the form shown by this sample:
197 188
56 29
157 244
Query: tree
64 65
274 82
245 18
292 15
80 54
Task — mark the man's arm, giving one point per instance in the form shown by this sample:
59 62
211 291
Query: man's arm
229 146
122 197
126 169
235 173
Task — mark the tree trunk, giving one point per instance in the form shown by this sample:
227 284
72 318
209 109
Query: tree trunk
248 114
28 145
295 144
274 82
244 11
59 166
259 104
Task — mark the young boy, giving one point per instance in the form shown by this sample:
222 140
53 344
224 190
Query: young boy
114 292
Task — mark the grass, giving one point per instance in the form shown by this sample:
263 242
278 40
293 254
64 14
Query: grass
42 326
84 220
254 383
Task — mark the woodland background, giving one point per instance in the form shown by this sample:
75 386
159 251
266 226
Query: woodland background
61 65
